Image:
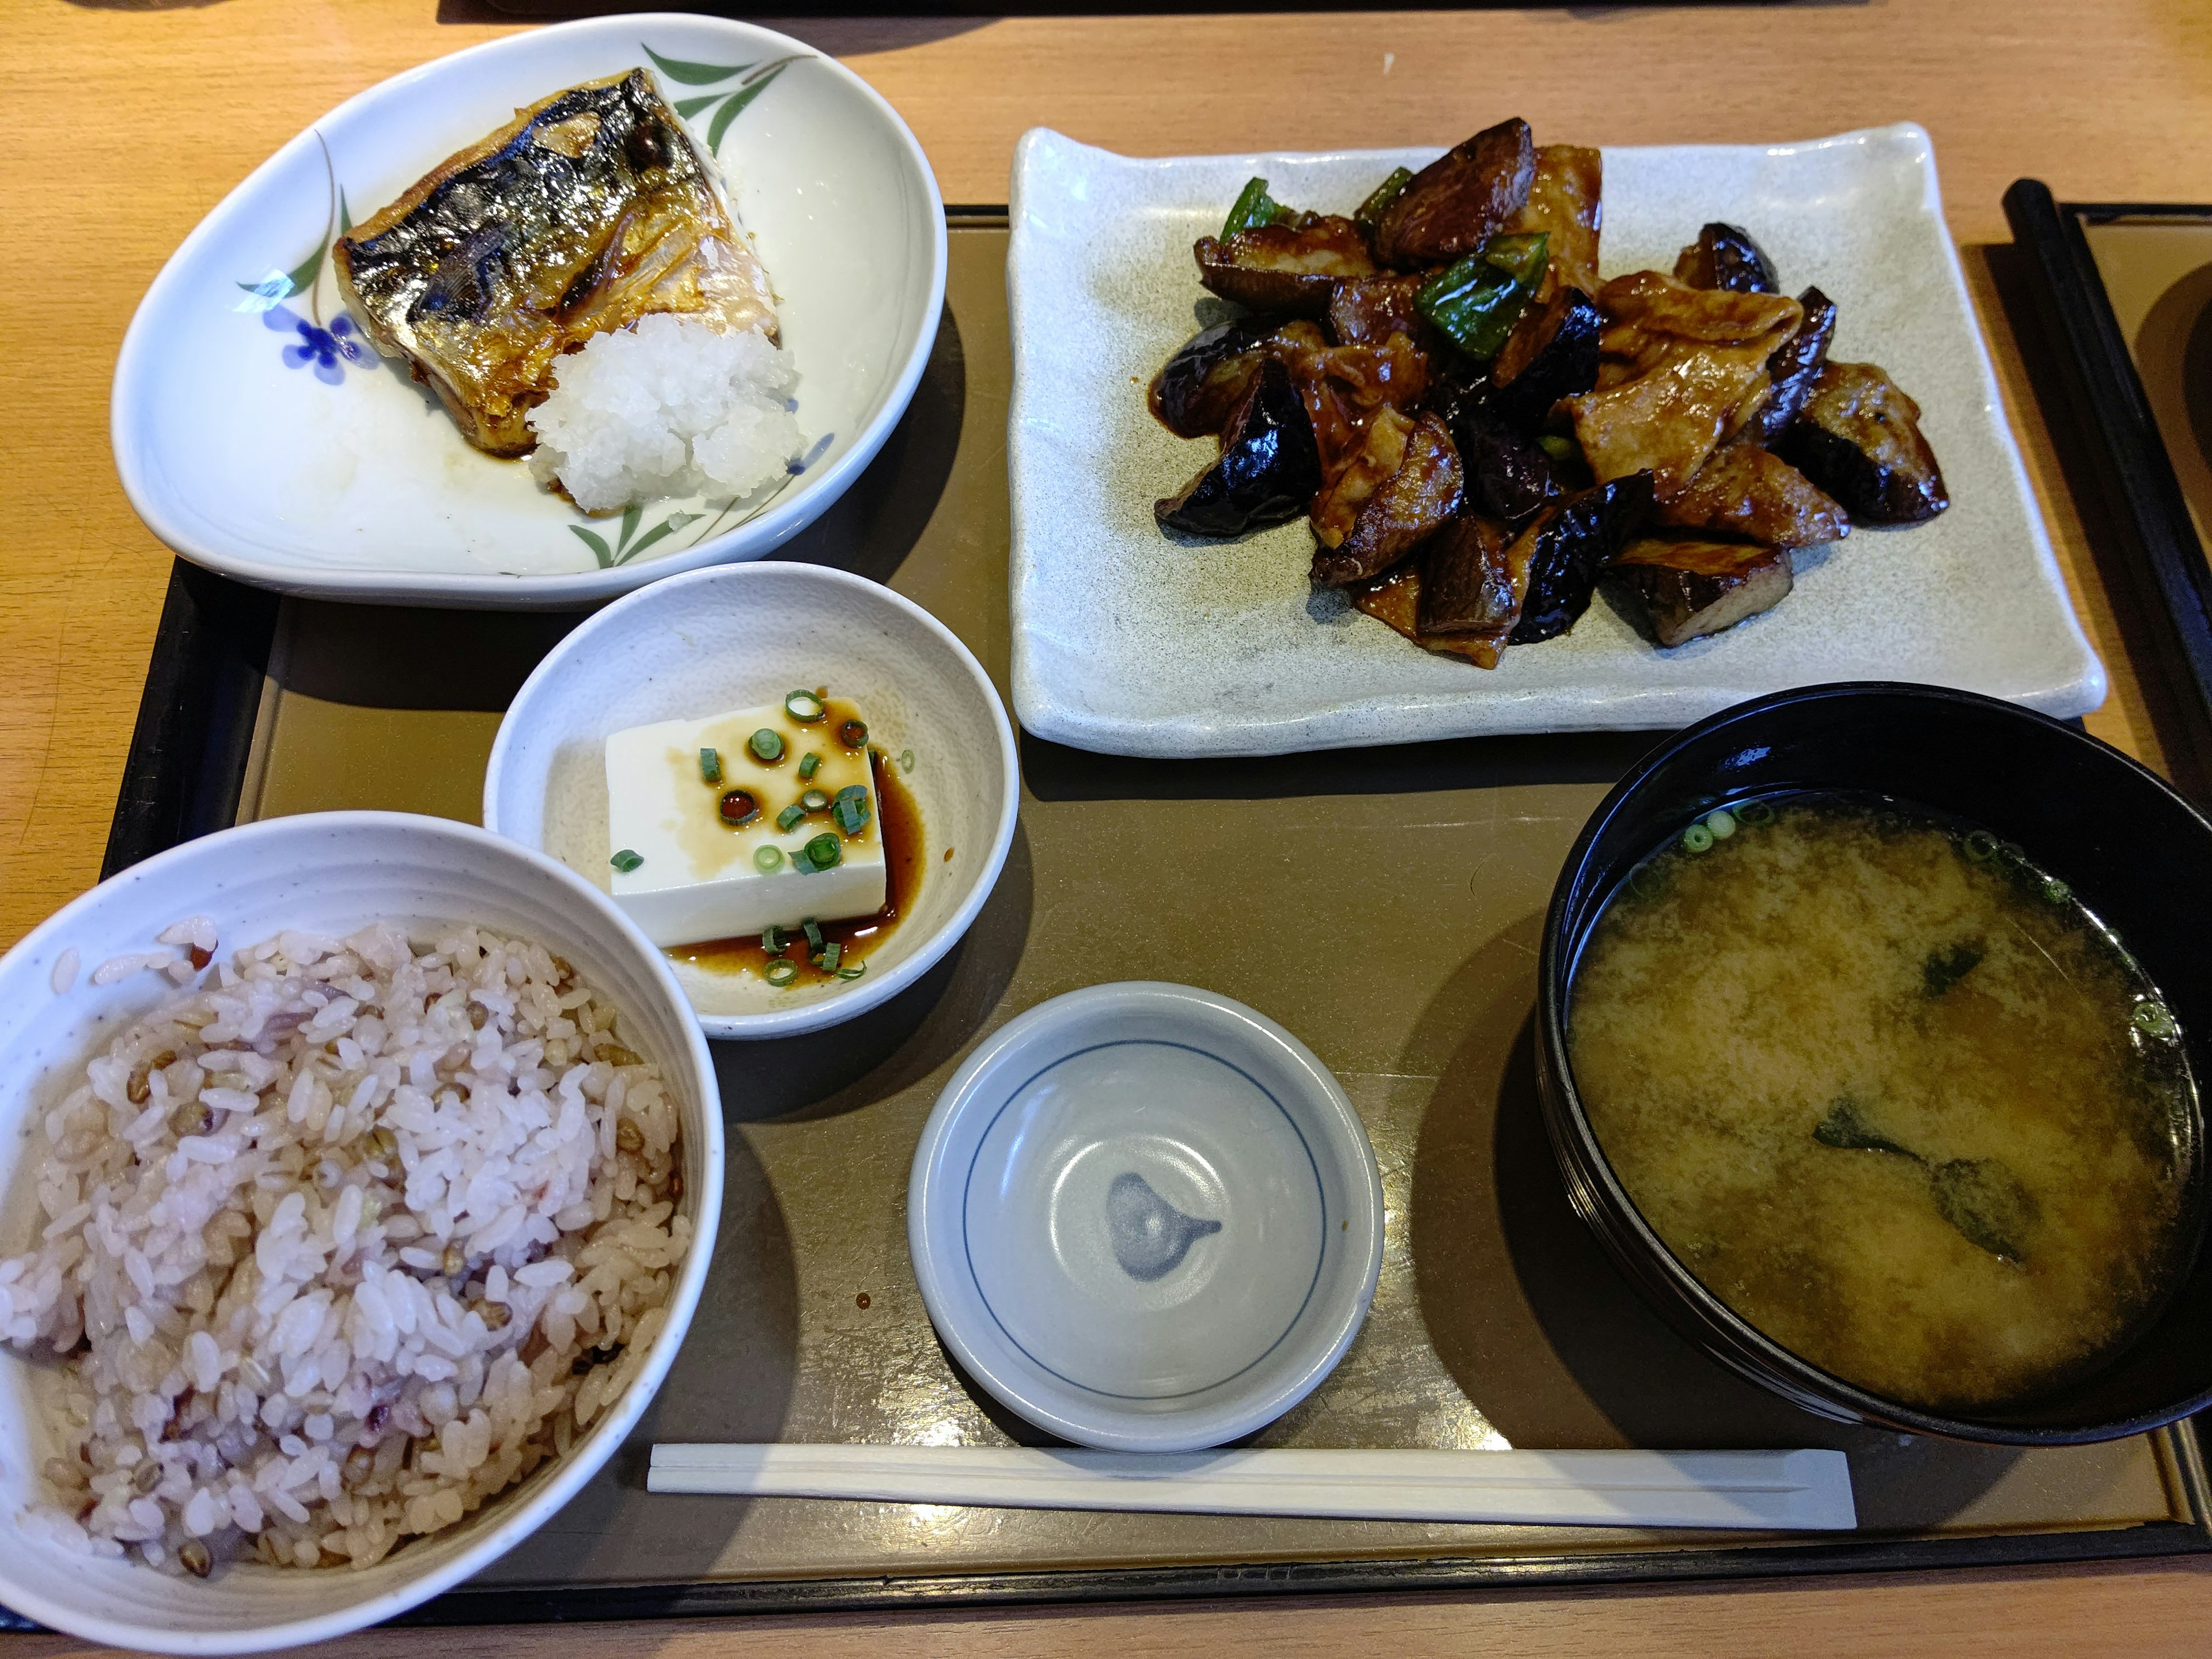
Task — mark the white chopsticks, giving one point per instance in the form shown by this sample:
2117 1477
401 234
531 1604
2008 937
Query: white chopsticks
1781 1491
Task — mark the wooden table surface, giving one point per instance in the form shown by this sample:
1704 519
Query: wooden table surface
132 117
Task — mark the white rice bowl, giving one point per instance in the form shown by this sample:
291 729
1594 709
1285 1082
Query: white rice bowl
671 406
497 1141
338 1242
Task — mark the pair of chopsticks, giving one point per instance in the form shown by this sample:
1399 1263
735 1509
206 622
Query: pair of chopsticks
1792 1491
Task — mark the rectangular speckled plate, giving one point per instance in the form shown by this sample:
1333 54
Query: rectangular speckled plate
1497 1320
1132 642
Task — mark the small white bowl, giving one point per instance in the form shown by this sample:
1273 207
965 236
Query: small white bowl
739 637
331 873
255 440
1145 1218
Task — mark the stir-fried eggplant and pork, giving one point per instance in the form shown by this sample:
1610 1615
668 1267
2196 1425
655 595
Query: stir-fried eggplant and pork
1479 430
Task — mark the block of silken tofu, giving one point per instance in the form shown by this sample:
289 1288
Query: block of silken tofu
687 847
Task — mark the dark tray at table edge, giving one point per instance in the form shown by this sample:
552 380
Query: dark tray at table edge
2136 510
187 766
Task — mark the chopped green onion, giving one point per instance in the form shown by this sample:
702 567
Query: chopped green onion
809 764
1981 845
772 939
803 707
1370 212
1754 813
1476 301
1645 882
853 733
626 860
1253 209
738 807
1698 839
782 971
852 813
2154 1019
832 953
768 858
854 972
787 819
2055 890
710 766
1722 823
813 935
906 760
1559 448
824 851
854 791
814 800
767 744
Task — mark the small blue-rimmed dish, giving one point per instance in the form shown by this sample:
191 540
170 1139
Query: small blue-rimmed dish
1145 1218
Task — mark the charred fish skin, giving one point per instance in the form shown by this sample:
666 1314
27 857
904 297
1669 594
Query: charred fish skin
588 210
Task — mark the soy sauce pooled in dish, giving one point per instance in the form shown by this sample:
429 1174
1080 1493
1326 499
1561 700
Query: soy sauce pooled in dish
904 842
1892 1094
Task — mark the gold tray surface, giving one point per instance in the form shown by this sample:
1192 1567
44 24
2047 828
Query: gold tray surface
1496 1321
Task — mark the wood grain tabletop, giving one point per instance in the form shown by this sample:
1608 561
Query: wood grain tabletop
131 118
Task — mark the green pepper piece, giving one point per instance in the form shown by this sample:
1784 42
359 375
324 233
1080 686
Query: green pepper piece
1253 209
1370 212
1523 256
1476 301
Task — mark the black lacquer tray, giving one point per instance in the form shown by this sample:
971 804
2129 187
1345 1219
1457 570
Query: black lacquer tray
1498 1319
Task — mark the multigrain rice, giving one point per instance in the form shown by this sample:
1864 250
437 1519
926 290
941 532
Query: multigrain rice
340 1243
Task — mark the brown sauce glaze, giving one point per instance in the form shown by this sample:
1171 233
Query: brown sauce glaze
905 850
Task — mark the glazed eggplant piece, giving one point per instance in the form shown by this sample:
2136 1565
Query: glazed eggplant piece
1859 438
1725 257
1194 395
1395 600
1286 269
1369 310
1692 588
1794 366
1565 203
1744 491
1268 470
1553 353
1566 550
1460 200
1509 475
1409 507
1467 584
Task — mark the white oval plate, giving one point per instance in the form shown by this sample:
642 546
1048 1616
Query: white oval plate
1145 1218
718 639
258 433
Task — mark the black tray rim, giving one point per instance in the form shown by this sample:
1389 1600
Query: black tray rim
2137 511
183 777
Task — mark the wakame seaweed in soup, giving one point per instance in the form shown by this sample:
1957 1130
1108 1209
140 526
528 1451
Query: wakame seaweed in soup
1892 1093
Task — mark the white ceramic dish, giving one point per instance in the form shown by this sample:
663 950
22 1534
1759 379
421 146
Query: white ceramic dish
333 873
1127 642
1145 1218
737 638
251 441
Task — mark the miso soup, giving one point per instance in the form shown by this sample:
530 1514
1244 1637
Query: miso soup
1892 1094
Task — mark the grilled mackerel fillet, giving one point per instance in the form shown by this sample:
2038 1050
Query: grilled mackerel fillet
584 213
